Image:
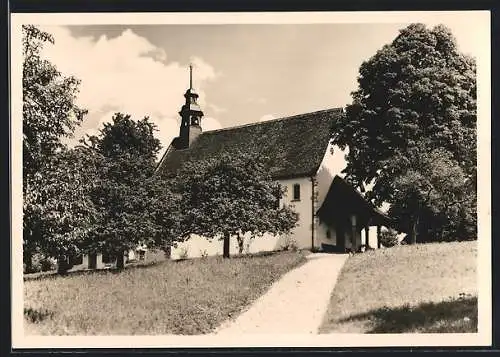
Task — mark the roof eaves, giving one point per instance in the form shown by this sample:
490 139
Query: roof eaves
294 175
368 203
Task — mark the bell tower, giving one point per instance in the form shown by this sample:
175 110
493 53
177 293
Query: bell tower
191 115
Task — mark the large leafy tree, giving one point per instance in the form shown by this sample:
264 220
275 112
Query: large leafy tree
415 95
231 196
62 209
136 207
49 115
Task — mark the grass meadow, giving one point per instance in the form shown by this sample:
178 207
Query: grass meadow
172 297
425 288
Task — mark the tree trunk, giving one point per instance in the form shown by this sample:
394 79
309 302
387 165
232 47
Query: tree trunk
378 236
120 261
367 237
168 251
62 265
241 241
28 260
413 231
225 252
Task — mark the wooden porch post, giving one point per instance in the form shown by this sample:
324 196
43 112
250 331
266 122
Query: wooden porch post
378 236
353 233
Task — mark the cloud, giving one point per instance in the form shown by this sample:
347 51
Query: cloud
267 117
127 74
105 118
217 109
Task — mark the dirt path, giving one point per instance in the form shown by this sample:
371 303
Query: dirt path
294 304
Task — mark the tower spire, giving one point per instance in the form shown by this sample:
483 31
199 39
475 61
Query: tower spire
191 115
190 76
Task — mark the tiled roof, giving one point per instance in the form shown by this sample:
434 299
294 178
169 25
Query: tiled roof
352 201
296 145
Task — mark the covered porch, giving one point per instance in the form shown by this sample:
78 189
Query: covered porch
347 212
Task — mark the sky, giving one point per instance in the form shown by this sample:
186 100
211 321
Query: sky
244 73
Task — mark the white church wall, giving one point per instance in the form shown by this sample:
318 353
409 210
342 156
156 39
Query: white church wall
331 165
372 235
197 246
302 233
325 234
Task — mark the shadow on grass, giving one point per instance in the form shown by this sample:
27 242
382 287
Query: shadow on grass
112 270
450 316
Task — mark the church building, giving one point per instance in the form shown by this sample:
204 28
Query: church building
333 216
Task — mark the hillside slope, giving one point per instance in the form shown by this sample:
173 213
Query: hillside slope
187 297
421 288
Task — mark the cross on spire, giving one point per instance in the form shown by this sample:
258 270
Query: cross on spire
190 76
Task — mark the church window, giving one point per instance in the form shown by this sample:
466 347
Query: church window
296 192
328 234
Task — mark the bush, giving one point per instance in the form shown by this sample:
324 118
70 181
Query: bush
36 265
289 244
389 238
47 264
183 253
40 263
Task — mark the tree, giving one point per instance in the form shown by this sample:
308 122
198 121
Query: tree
429 185
416 93
64 205
49 114
389 238
136 206
232 196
